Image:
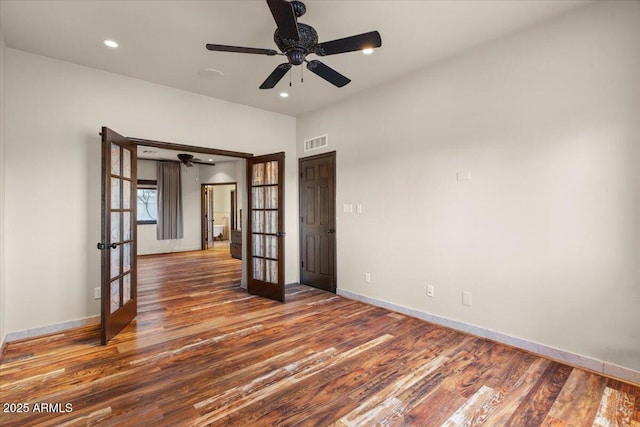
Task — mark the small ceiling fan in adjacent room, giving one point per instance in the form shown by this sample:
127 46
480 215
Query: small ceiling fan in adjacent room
297 40
187 159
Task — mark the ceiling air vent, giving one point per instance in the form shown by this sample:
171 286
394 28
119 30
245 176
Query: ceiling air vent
316 143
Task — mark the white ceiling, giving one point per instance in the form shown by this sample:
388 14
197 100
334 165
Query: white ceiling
153 153
164 41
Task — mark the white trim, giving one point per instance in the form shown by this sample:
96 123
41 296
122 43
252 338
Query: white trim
595 365
52 329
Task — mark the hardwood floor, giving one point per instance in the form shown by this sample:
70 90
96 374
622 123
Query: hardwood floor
204 352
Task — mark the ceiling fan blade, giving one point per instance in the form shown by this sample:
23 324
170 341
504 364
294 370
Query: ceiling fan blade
236 49
285 18
275 76
349 44
327 73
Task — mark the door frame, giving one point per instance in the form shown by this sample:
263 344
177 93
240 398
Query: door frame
335 206
203 225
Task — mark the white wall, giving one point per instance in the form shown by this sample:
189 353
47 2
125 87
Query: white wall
2 162
220 173
546 234
51 142
148 242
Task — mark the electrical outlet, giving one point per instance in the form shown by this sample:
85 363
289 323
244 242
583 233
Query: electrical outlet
367 277
466 298
96 293
430 290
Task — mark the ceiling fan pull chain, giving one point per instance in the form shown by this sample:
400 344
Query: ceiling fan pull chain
290 72
301 74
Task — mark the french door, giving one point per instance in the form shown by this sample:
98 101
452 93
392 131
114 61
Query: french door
265 237
118 245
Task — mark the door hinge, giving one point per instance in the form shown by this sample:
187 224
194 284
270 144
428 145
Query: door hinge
301 219
302 264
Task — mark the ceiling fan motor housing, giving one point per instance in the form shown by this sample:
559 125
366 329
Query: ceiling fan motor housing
297 50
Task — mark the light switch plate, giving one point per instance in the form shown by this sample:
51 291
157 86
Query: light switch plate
466 298
347 208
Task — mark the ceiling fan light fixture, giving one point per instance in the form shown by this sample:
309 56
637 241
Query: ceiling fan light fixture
367 51
110 43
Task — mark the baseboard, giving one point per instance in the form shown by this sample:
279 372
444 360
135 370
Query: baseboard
52 329
193 249
577 360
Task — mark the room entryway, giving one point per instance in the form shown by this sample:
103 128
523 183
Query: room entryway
264 190
219 214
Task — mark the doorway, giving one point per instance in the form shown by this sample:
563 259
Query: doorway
265 177
318 221
219 210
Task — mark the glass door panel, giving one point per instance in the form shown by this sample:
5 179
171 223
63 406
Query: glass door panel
266 243
119 305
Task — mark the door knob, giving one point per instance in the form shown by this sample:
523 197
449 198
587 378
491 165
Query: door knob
331 231
280 234
102 246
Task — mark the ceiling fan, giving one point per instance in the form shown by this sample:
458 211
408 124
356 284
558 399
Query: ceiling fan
297 40
187 159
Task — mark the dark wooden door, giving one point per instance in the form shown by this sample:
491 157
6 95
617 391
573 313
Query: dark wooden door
318 221
265 237
118 245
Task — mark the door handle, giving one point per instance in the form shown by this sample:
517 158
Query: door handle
280 234
331 231
102 246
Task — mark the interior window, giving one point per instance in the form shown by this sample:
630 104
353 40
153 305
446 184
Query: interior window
147 196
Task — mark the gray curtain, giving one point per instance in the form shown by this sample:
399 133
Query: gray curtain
169 201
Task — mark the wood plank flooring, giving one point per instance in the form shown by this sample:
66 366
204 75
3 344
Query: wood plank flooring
204 352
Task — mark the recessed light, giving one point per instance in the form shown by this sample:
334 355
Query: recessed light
367 51
210 73
283 94
110 43
211 160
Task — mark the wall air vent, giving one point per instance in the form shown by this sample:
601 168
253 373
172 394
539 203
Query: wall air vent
316 143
